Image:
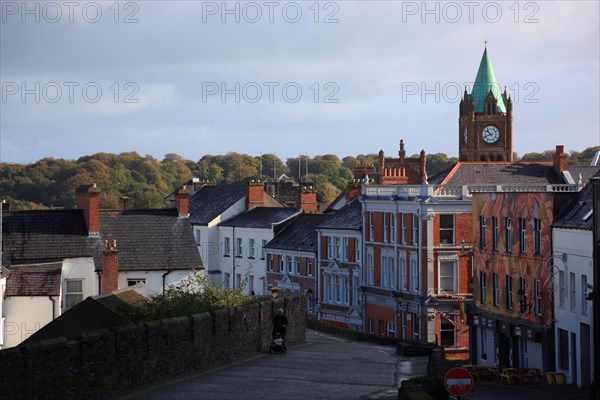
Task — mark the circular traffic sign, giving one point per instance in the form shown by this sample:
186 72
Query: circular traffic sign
458 382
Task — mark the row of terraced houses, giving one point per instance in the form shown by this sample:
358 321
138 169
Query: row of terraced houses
490 258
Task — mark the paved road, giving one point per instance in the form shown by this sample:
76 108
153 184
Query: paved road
326 367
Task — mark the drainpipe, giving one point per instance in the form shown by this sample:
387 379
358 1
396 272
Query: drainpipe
53 307
397 287
233 257
420 269
99 282
164 278
364 263
318 299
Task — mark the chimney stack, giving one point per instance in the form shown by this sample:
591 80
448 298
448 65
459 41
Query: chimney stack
110 267
125 202
353 189
181 202
88 199
560 159
308 200
255 196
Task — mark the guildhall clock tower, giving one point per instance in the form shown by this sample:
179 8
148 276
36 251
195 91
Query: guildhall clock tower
485 122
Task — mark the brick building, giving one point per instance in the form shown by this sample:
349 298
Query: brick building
416 271
340 272
512 321
393 171
292 258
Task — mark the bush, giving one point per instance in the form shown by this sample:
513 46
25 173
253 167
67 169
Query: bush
194 295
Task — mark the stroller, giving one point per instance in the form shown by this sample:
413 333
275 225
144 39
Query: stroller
278 344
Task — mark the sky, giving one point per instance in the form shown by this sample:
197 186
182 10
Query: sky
304 77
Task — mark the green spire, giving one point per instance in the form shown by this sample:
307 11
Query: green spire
486 80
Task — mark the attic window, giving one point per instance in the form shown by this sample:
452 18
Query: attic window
574 210
587 215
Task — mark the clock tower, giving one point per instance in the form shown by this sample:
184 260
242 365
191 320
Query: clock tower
485 122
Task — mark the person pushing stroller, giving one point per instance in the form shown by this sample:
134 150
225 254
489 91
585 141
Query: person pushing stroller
279 328
280 323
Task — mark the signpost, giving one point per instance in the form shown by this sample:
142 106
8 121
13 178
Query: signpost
458 382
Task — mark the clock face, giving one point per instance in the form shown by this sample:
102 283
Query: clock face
490 134
465 135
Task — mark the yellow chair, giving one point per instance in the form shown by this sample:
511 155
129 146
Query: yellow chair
506 373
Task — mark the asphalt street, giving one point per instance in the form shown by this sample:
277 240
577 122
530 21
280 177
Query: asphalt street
325 367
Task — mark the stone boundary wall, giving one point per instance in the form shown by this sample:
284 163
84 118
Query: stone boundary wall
103 363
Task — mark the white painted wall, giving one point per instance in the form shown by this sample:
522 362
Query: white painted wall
258 265
25 315
210 246
79 269
2 328
577 245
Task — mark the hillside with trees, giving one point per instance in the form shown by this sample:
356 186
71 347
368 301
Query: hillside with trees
146 180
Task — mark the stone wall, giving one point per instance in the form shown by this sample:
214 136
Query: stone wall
101 364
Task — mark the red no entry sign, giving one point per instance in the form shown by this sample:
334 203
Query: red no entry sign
458 381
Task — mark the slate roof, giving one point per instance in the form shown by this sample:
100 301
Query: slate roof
44 235
477 173
148 240
573 213
261 217
34 280
586 172
208 202
298 235
348 217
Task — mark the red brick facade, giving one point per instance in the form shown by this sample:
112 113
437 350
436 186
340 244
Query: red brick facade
181 201
110 270
255 196
396 308
305 278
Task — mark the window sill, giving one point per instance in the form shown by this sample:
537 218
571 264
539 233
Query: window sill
226 255
250 258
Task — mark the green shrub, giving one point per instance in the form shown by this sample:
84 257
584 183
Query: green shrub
194 295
